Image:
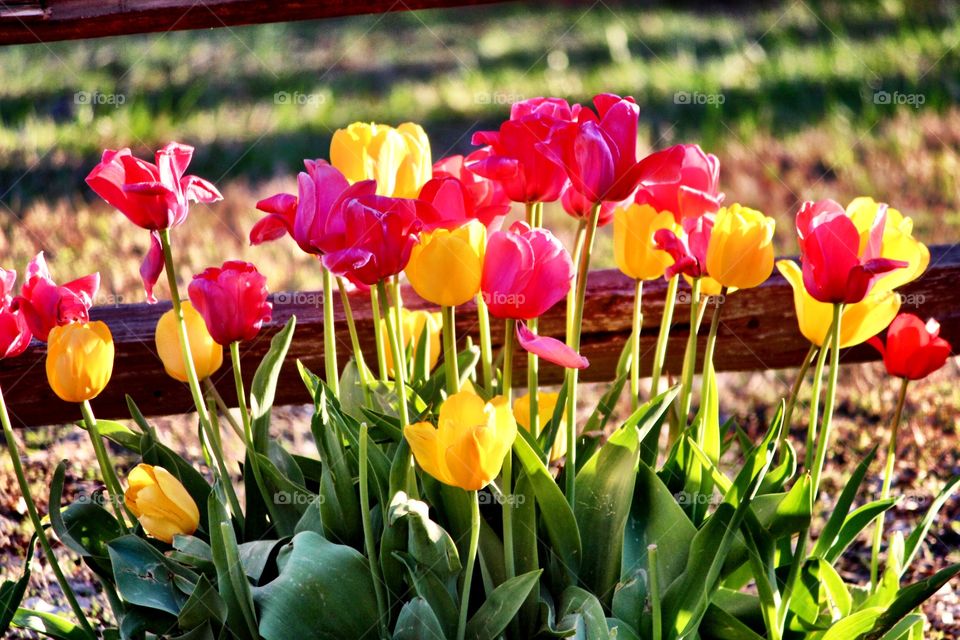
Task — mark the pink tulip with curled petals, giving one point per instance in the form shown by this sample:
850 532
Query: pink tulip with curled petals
682 180
232 300
487 200
689 251
14 333
46 305
525 272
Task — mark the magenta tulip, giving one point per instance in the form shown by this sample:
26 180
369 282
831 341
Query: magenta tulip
580 207
46 305
689 252
682 180
232 300
14 333
486 198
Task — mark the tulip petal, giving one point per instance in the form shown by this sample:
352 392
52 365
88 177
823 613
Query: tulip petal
152 267
197 189
550 349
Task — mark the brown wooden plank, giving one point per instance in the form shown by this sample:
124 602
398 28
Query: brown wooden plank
758 331
31 21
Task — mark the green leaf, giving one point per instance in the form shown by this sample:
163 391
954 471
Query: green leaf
912 543
417 621
854 524
323 591
854 625
429 587
12 591
719 624
427 542
339 500
498 610
204 605
231 579
116 432
908 599
583 604
84 527
48 624
558 517
145 577
840 510
264 386
288 500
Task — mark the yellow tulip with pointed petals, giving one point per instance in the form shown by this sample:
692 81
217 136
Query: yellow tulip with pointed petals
471 439
413 324
397 158
898 242
446 265
161 503
79 360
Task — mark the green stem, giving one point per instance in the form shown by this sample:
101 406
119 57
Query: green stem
577 250
486 350
708 368
468 567
794 395
378 334
534 219
399 370
635 346
814 417
34 514
222 406
573 341
362 369
368 542
690 355
654 587
660 354
450 349
241 394
887 479
192 381
829 399
106 466
331 370
509 332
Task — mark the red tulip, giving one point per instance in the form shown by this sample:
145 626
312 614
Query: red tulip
232 300
483 199
525 272
14 333
153 196
524 154
682 180
914 349
369 238
46 305
834 269
689 252
579 206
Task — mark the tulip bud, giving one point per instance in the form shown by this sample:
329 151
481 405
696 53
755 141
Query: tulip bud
446 266
467 449
914 348
546 406
161 503
79 360
412 325
634 250
740 252
232 300
207 355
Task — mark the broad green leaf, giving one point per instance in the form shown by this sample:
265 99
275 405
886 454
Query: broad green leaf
417 621
48 624
854 524
145 577
117 433
840 510
498 609
913 541
908 599
427 542
854 625
429 587
582 603
719 624
264 386
908 624
204 605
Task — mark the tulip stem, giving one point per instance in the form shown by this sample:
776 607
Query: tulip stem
794 394
241 394
509 332
573 341
577 250
635 346
689 356
708 368
534 219
368 542
331 371
824 436
887 479
34 514
660 354
378 335
106 466
191 370
468 567
486 351
450 349
654 574
222 406
399 369
362 370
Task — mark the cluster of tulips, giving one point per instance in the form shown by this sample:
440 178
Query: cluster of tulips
424 480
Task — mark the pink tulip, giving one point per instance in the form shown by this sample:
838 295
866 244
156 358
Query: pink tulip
834 269
153 196
482 199
14 333
689 252
525 272
580 207
46 305
682 180
232 300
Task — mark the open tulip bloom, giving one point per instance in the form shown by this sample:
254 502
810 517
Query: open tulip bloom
421 484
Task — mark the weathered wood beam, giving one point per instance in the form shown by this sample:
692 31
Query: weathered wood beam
31 21
758 331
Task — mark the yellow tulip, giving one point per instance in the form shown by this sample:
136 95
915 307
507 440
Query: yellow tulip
546 404
860 321
397 158
207 355
467 447
160 503
633 246
446 266
898 242
413 324
740 253
79 360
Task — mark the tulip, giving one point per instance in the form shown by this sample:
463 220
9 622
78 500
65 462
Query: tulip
914 348
413 324
232 300
446 266
46 305
578 206
486 198
79 360
740 251
688 250
15 335
207 355
468 446
897 243
525 272
837 266
546 406
452 204
398 159
683 180
152 196
859 321
634 250
161 503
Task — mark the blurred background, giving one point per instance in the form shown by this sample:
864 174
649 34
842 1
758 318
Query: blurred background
800 99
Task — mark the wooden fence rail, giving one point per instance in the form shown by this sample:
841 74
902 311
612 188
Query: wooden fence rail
758 331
